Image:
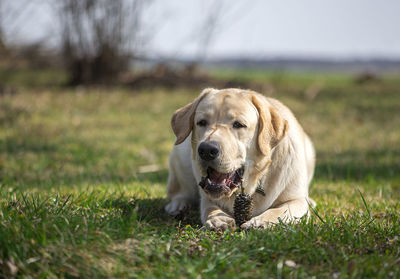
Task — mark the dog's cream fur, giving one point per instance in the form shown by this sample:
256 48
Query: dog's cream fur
273 148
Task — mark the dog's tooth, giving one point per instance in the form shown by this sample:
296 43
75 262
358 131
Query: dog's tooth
224 181
209 181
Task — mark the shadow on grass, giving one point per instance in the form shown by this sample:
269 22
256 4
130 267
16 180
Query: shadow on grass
88 178
152 211
33 161
14 146
357 165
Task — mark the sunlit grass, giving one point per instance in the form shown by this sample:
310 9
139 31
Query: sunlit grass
77 198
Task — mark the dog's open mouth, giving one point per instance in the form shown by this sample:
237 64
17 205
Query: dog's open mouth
221 183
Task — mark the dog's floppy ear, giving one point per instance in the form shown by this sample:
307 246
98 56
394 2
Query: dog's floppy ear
182 120
272 127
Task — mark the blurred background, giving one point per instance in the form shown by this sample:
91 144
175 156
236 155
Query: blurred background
154 43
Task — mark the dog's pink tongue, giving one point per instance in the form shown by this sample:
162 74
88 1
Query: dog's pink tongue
216 177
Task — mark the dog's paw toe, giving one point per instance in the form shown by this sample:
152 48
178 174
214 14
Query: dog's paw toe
221 223
175 207
254 223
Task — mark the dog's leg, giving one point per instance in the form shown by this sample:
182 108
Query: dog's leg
177 200
214 218
181 187
310 157
287 212
181 196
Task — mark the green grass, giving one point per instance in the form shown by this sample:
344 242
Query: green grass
75 201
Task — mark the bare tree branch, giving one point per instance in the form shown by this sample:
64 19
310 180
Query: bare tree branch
97 37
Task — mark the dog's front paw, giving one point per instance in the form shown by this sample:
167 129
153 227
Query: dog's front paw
256 223
176 206
268 218
220 223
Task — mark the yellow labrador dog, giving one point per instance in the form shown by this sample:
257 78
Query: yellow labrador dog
233 136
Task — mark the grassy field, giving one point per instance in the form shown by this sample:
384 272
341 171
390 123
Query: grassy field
83 174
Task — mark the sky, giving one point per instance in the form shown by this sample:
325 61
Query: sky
255 28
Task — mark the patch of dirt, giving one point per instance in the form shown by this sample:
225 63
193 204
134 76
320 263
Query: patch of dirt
188 77
367 78
7 90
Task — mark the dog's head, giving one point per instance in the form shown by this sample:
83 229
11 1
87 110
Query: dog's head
231 129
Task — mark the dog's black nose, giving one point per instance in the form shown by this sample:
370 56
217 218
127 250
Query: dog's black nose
209 150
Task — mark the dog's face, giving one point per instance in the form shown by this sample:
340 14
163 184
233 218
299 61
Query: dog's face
223 135
230 128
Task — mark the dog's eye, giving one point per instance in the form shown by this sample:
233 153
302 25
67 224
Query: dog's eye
202 123
238 125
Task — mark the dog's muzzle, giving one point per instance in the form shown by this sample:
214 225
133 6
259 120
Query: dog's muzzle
221 184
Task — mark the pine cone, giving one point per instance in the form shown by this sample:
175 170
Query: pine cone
242 208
